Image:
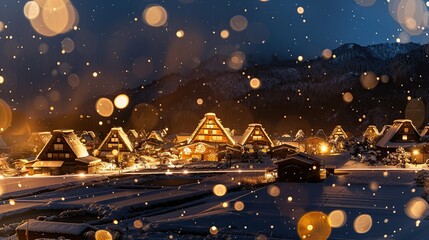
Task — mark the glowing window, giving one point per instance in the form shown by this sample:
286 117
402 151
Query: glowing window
404 137
49 155
406 130
206 131
58 147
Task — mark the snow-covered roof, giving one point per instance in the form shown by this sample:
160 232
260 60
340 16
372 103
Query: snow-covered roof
321 133
155 135
212 116
54 227
121 135
386 140
53 164
70 139
39 138
251 129
337 132
425 131
371 130
302 157
133 133
88 159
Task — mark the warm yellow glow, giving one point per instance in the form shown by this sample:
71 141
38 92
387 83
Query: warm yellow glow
155 16
200 101
121 101
347 97
323 148
337 218
224 34
273 191
103 235
12 202
214 230
300 58
219 190
314 225
300 10
180 33
362 223
239 206
416 208
104 107
31 10
255 83
1 79
416 152
138 224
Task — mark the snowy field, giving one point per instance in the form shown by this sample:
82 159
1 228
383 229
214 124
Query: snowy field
185 206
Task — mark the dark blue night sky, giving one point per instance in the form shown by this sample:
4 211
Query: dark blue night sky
112 39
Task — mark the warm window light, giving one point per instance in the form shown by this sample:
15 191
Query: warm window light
416 152
323 148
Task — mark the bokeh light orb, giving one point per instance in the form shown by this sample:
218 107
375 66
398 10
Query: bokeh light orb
416 208
73 80
362 224
416 111
347 97
236 60
300 10
103 235
155 16
255 83
5 115
273 191
337 218
238 23
224 34
368 80
327 53
239 206
121 101
214 230
180 33
104 107
67 44
314 225
31 10
200 101
219 190
138 224
1 79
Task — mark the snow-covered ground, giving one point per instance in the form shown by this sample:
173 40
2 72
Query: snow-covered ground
183 205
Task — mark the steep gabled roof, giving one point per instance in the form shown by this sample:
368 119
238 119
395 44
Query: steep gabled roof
39 138
386 140
71 139
133 133
371 131
337 132
251 129
385 129
154 135
211 116
321 133
121 135
425 131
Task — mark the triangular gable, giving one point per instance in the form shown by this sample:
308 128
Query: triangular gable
320 133
133 133
255 133
154 135
39 138
69 141
425 131
385 129
122 139
371 131
210 129
338 132
402 133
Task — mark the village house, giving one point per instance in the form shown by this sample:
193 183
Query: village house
371 134
63 154
403 134
206 140
298 167
117 142
38 140
256 136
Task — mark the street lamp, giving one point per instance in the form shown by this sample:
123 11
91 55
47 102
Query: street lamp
415 153
323 150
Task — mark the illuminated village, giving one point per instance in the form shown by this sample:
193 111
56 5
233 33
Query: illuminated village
184 119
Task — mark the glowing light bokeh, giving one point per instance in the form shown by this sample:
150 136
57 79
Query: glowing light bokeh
104 107
273 191
67 44
255 83
138 224
238 23
180 33
365 3
219 190
224 34
236 60
368 80
314 225
300 10
103 235
363 223
5 115
121 101
155 16
347 97
214 230
239 206
337 218
416 208
31 10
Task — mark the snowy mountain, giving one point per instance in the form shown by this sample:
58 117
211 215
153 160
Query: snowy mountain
293 95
